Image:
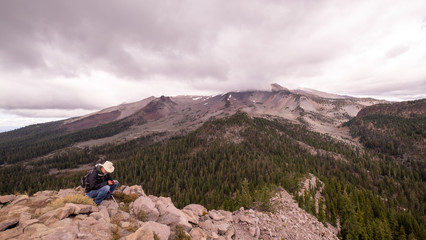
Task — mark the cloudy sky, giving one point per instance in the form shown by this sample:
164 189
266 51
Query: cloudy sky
60 59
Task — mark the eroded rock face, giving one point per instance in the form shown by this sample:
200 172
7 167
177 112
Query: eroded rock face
151 217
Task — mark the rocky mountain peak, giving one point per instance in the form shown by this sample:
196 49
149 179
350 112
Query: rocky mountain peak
149 217
275 87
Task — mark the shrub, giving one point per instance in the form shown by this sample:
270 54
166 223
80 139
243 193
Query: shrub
126 199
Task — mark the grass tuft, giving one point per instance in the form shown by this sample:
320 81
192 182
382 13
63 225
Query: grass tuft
77 199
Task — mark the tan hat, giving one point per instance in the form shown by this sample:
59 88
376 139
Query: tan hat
108 166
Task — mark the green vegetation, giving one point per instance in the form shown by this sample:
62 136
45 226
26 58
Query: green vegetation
392 135
180 234
237 161
28 142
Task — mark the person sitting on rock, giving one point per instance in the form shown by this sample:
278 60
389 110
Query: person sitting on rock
100 185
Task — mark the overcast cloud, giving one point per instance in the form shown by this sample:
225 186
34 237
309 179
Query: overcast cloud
65 58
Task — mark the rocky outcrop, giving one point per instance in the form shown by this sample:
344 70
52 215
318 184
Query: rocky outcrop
150 217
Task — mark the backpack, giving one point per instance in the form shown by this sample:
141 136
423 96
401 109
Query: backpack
83 179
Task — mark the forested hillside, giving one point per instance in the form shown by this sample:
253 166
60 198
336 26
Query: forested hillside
397 130
38 140
371 195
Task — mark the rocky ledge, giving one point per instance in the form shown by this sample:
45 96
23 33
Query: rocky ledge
150 217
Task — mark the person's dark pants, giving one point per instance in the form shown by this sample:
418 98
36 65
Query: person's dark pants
102 193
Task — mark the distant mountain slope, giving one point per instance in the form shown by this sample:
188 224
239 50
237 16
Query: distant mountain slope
396 129
179 115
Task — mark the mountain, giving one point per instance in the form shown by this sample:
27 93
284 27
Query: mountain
179 115
237 149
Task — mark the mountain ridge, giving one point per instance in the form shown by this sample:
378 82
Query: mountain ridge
265 149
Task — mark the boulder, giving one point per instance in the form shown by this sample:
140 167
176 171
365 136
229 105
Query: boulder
65 228
60 233
85 209
55 215
7 198
223 228
19 200
230 233
216 215
140 234
227 215
207 225
66 192
191 216
46 193
25 216
198 234
162 231
111 206
161 203
102 214
172 217
196 209
144 207
27 223
11 233
97 229
8 223
135 189
241 217
35 229
15 211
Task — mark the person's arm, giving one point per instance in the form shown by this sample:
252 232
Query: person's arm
93 184
109 179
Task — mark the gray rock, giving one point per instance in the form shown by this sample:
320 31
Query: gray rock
198 234
11 233
8 223
161 203
191 216
46 193
24 217
7 198
66 192
173 217
230 233
144 206
227 215
216 215
197 209
207 225
27 223
161 230
20 200
223 228
99 229
55 215
141 234
35 229
79 208
135 189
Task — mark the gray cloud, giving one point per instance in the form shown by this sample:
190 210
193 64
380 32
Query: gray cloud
53 53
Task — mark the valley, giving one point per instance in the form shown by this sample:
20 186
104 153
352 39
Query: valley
236 149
